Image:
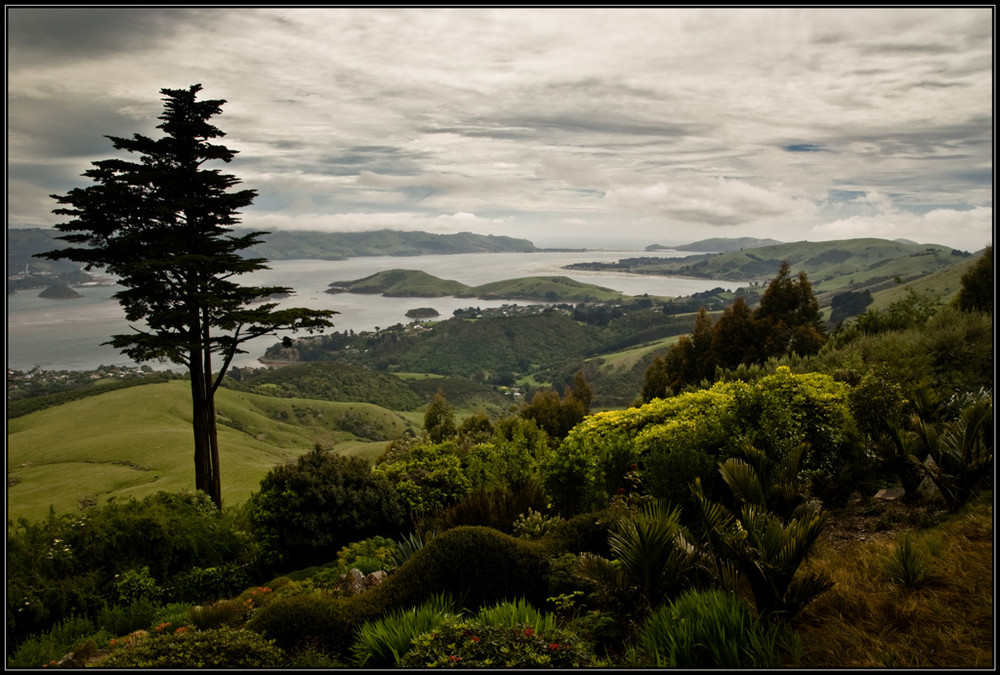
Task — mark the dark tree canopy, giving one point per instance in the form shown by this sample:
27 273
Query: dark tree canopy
976 293
786 321
307 510
163 226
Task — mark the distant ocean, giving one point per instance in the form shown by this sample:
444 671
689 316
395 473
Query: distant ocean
66 334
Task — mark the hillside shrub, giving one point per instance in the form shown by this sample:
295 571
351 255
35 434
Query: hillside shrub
377 551
584 532
427 478
124 619
472 644
675 440
497 508
306 511
710 629
217 648
167 532
205 584
53 644
136 584
220 614
66 565
314 620
478 564
504 465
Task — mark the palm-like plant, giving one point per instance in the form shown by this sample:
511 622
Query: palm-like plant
903 454
962 452
653 558
766 533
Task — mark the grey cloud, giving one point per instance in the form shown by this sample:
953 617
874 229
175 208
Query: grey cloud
43 128
58 34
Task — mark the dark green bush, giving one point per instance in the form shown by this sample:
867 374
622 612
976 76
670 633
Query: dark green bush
123 619
52 645
218 648
318 621
168 533
306 511
497 509
479 564
205 584
219 614
66 565
584 532
710 629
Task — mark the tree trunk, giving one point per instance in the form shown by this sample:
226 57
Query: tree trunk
206 473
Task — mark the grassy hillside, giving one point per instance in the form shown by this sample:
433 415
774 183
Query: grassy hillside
329 381
137 441
944 283
852 264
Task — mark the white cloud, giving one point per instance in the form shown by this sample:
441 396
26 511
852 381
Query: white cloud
715 202
968 230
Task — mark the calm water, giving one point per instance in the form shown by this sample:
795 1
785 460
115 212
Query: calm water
66 334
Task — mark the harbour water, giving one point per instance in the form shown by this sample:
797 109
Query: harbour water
67 334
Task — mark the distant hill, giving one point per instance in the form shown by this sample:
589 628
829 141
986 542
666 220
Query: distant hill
718 245
295 244
23 244
849 264
415 283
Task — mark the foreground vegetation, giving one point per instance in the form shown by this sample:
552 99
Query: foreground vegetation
821 509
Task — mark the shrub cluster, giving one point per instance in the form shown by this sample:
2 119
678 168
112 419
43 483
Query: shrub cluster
215 648
472 644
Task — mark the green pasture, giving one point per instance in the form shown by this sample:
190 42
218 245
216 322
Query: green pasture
137 441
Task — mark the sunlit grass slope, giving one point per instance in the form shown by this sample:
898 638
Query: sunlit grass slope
138 441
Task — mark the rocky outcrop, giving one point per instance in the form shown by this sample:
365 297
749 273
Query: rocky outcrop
355 582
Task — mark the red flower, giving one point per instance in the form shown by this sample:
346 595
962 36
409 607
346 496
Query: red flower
528 631
553 645
454 658
475 639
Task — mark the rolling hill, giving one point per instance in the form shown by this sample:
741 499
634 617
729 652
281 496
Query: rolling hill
137 441
851 264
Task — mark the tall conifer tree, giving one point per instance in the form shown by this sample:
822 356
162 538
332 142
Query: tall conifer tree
163 226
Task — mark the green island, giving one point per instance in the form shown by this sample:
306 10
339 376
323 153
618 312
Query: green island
415 283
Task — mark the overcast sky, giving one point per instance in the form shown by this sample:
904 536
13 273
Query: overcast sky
584 127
